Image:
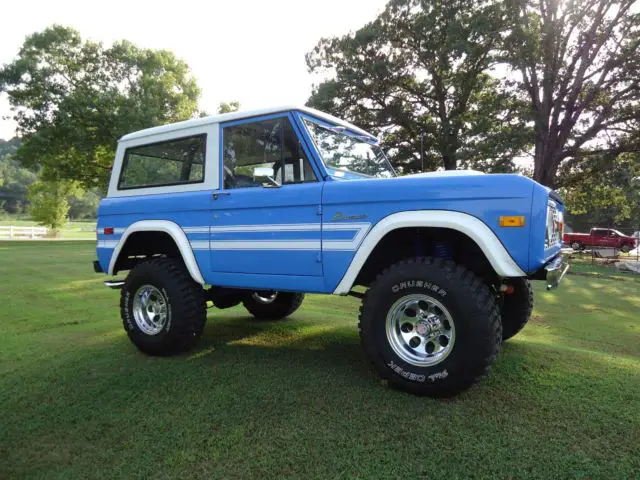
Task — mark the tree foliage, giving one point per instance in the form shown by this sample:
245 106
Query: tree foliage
14 179
422 68
72 100
604 192
50 201
580 71
228 107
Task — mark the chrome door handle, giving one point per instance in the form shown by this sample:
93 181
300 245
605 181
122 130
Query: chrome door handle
218 194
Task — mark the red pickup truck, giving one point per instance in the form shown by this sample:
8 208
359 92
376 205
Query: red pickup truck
600 237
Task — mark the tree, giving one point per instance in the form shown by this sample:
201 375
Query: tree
84 206
50 202
603 192
72 100
420 70
14 179
579 66
228 107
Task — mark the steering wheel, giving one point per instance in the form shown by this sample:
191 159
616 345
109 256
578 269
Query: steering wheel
239 180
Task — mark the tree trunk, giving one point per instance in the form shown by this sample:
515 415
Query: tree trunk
449 161
449 151
546 167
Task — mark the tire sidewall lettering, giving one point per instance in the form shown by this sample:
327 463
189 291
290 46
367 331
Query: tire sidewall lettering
167 300
424 285
127 313
417 377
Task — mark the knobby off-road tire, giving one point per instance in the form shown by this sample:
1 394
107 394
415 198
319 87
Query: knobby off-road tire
272 305
163 310
457 299
516 308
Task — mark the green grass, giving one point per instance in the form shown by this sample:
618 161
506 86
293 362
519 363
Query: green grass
297 398
586 266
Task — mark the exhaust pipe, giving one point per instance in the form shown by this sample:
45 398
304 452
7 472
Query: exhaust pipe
115 284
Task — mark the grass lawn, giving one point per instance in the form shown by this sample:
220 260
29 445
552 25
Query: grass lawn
297 398
585 265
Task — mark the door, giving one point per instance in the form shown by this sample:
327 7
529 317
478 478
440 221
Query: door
613 239
266 219
599 238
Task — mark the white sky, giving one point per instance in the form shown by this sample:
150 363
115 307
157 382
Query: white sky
251 51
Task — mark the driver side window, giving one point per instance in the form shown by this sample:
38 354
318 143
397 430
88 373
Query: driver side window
268 143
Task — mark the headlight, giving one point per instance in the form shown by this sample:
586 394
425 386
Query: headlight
555 225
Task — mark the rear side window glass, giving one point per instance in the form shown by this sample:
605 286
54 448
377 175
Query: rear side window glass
174 162
268 143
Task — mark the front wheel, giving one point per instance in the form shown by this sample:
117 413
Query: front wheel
430 326
271 305
625 248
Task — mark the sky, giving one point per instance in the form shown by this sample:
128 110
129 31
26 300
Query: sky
251 51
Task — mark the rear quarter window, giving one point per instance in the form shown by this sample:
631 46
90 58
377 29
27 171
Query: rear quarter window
173 162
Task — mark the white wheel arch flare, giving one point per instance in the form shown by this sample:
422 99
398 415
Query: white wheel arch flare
474 228
161 226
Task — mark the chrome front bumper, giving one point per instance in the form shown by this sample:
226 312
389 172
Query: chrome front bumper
552 272
555 271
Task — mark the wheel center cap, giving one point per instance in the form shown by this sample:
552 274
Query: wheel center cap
428 325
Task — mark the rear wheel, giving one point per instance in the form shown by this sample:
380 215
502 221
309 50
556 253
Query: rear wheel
163 310
576 246
516 308
430 327
272 305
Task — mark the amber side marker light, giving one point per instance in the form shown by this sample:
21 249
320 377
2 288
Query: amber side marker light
512 221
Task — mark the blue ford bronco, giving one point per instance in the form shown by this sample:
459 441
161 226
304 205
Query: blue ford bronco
259 208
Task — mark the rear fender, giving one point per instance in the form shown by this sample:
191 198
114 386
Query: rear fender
171 229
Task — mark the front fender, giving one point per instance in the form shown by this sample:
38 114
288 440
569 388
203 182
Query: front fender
478 231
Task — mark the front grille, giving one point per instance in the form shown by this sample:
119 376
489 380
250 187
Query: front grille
555 225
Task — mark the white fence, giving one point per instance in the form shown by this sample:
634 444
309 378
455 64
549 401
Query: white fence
10 232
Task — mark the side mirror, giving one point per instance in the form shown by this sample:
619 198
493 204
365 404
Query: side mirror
265 176
261 172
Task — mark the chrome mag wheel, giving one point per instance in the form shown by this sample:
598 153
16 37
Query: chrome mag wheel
420 330
150 309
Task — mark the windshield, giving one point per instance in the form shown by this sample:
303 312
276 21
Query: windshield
342 153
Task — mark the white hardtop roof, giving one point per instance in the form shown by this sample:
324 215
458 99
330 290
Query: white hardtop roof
226 117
